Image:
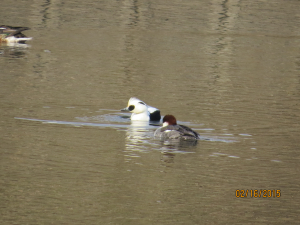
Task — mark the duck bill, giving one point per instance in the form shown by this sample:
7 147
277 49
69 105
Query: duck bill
125 109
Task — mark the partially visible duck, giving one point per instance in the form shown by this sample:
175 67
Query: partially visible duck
9 34
141 111
171 130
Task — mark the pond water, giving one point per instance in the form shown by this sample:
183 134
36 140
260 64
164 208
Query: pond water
228 69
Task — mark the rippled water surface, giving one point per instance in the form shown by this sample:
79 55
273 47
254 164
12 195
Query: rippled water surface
228 69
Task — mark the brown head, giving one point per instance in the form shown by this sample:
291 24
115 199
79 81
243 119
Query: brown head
169 120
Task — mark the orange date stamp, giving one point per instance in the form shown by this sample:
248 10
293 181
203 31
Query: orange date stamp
258 193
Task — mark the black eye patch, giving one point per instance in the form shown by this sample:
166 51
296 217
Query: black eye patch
130 108
142 103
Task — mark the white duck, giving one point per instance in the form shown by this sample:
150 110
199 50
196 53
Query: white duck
141 111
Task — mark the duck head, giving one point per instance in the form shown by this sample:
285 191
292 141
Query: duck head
138 109
169 120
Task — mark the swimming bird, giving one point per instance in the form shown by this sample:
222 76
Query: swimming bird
171 130
141 111
9 34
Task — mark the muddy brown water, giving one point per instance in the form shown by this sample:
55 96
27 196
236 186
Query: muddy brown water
228 69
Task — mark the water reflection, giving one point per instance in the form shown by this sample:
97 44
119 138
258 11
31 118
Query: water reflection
170 149
167 157
139 137
13 50
139 134
130 13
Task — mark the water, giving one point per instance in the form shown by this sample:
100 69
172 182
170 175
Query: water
228 69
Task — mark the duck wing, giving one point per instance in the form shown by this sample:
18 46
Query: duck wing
168 132
177 131
12 31
188 132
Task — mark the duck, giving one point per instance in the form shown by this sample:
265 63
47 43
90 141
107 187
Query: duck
171 130
141 111
9 34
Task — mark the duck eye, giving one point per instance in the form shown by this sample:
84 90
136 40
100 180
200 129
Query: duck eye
131 107
142 103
